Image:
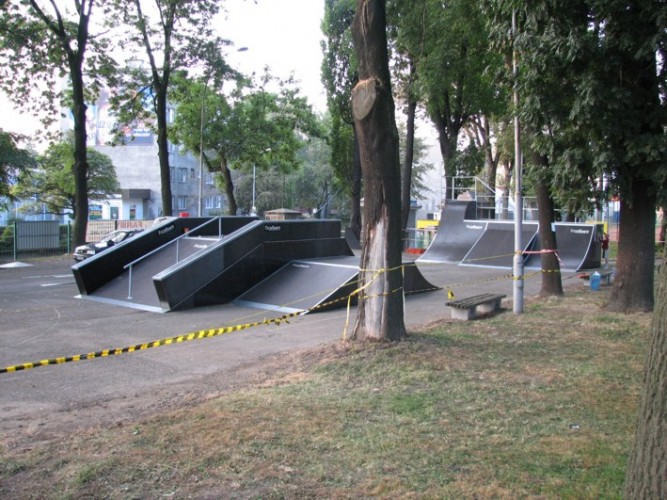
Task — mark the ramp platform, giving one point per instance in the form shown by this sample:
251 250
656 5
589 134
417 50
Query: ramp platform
316 285
457 232
302 285
495 248
462 239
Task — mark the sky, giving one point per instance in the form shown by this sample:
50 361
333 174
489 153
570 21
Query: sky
283 34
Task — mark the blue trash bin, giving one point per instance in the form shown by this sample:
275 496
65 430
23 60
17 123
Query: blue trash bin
595 281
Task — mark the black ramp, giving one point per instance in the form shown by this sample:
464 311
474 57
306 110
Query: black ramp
322 284
414 281
495 248
457 232
244 258
303 284
104 267
142 294
578 246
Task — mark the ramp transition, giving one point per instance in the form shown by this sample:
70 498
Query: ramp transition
462 239
457 232
174 267
495 247
318 284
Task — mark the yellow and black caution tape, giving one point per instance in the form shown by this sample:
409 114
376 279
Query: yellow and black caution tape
201 334
214 332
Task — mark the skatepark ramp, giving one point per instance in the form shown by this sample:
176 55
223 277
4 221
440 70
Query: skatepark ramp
318 285
462 239
304 284
123 273
210 264
579 245
457 232
495 246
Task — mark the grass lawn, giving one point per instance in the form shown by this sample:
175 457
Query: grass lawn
539 405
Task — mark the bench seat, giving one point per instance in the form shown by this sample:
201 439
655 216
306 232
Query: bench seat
468 308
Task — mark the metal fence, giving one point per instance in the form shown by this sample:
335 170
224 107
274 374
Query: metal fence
32 239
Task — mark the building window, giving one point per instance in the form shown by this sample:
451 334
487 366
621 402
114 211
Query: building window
218 201
172 175
182 202
182 175
209 178
192 174
209 202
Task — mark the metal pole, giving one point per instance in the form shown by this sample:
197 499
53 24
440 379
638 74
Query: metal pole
15 243
518 199
201 149
129 285
253 210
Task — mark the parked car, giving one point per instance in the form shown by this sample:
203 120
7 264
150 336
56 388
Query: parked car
88 250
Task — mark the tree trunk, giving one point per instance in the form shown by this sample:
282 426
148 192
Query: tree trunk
490 161
406 173
646 474
380 314
663 229
447 141
80 167
506 194
163 149
355 197
552 284
75 59
232 207
635 263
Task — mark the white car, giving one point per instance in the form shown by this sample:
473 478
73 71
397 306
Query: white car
82 252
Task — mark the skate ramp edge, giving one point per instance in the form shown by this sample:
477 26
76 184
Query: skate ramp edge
315 285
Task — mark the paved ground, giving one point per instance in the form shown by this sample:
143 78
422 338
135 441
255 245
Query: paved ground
41 318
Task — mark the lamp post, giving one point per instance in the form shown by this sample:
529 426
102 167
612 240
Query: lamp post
518 199
253 209
201 150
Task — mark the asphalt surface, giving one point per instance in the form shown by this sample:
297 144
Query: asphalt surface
41 318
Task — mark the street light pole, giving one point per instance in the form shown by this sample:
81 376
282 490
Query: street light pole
518 199
253 209
201 151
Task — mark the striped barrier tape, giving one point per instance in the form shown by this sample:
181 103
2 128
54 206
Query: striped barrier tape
215 332
201 334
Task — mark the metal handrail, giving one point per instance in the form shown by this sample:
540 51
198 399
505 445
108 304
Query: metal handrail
163 246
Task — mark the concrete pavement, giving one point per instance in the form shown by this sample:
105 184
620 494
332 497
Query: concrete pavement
40 318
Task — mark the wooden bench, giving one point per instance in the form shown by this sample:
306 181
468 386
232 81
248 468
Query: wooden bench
605 276
468 308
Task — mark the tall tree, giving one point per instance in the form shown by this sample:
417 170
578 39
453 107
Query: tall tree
552 284
380 314
253 128
43 41
607 120
646 475
52 184
406 35
627 126
453 72
14 160
173 35
339 75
